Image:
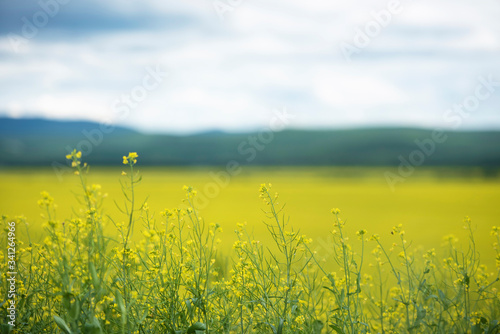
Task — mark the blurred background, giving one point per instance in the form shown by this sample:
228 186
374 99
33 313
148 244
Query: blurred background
388 109
213 66
218 66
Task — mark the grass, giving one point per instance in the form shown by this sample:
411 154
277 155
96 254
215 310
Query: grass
129 268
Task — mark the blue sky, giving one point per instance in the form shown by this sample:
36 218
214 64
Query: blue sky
227 64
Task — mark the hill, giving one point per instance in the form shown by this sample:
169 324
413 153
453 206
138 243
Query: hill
42 142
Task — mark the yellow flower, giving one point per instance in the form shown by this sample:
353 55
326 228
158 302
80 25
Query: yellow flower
360 233
131 159
335 211
300 319
75 157
46 200
264 188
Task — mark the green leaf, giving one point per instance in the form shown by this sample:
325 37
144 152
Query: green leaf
337 328
494 327
62 324
197 326
144 316
342 296
189 307
280 327
66 299
421 313
444 300
74 310
93 275
5 328
121 306
173 331
272 327
476 329
93 327
318 326
119 301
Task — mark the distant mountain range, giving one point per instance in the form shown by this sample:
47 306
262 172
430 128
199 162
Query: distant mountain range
43 142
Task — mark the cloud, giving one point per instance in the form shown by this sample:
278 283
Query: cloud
229 74
92 16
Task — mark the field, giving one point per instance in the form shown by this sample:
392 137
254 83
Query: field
430 204
244 267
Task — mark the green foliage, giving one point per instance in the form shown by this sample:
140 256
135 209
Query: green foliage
42 142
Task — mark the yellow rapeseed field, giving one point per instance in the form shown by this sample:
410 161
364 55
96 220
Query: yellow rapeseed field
428 205
196 251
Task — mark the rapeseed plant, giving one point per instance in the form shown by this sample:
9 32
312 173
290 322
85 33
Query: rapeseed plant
82 279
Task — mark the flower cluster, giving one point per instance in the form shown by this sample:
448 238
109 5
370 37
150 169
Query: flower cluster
130 159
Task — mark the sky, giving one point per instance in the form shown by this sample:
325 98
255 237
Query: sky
230 65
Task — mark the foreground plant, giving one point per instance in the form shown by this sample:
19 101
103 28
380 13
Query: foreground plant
82 277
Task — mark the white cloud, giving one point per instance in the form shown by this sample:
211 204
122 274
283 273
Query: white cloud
347 91
230 74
